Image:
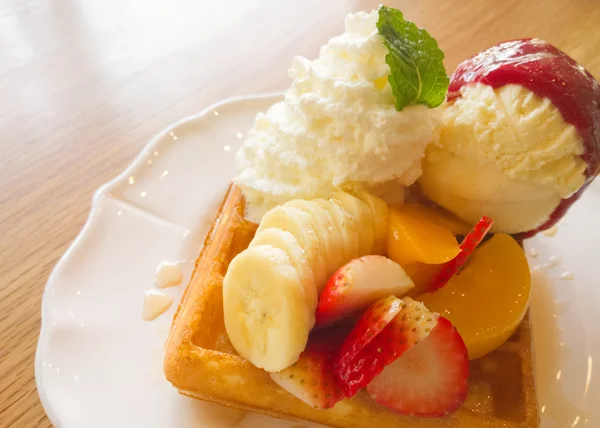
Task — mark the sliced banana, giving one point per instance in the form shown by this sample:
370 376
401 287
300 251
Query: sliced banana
284 240
299 224
346 226
266 316
331 239
381 215
364 220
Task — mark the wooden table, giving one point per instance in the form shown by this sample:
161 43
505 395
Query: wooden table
85 83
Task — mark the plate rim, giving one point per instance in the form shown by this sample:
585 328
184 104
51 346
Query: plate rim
97 196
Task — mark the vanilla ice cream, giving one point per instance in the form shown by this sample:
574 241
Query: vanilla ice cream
505 153
337 126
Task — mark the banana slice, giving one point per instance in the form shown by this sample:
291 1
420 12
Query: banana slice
381 215
346 226
287 242
266 316
364 220
331 240
299 224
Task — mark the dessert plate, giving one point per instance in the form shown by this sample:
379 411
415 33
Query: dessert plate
99 364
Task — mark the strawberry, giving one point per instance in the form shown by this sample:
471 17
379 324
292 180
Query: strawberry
357 284
467 246
362 358
311 378
375 319
430 379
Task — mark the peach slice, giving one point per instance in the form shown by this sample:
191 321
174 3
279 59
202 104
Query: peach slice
440 217
489 298
414 238
422 275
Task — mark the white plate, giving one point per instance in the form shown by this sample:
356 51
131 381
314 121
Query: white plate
98 364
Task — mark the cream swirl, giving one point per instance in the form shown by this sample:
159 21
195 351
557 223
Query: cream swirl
337 126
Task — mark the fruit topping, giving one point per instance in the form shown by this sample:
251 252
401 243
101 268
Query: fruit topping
414 239
270 290
300 224
327 232
381 216
375 319
363 216
429 379
265 311
489 298
442 218
422 276
467 247
311 378
362 359
287 242
358 284
346 226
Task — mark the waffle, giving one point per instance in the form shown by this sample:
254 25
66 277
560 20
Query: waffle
201 362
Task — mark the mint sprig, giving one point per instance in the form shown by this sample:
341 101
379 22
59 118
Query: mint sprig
416 62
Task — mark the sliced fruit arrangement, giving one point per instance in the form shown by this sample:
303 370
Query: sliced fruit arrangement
364 220
332 232
381 215
299 223
287 242
375 319
408 358
422 276
297 247
327 232
413 239
489 298
358 284
265 311
378 340
433 376
442 218
311 378
430 277
467 246
346 226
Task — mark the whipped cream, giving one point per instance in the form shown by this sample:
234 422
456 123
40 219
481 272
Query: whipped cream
336 127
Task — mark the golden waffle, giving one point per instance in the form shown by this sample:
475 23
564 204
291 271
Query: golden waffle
201 362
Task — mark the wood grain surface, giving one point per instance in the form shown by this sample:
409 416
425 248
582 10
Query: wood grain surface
84 84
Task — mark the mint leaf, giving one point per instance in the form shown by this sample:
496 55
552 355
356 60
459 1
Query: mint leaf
416 62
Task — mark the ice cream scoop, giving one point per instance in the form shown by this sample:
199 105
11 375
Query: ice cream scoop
520 137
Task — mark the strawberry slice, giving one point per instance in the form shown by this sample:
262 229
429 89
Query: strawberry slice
430 379
362 358
375 319
357 284
311 378
467 246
